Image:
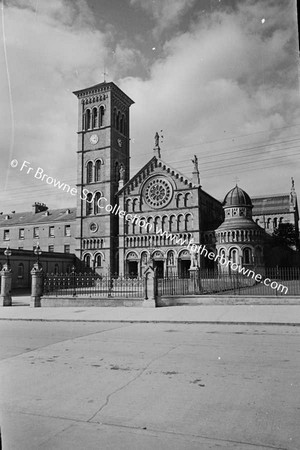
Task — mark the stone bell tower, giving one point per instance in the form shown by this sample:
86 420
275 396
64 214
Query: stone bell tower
103 151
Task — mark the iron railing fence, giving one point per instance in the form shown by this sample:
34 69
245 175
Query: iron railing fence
274 281
92 285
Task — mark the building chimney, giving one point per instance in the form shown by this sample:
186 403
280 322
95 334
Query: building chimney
39 207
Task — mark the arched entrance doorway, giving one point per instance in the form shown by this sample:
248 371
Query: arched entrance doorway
184 263
158 263
132 266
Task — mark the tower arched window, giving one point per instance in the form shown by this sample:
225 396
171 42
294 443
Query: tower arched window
95 118
96 203
88 119
98 170
89 204
275 222
101 116
89 172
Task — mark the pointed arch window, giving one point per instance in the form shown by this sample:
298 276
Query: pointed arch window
89 172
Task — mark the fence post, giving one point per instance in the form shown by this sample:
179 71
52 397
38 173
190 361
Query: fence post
6 277
150 288
36 285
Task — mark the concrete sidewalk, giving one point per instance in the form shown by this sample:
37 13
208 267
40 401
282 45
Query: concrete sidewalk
224 314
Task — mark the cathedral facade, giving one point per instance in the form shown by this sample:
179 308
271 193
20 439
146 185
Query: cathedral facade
170 209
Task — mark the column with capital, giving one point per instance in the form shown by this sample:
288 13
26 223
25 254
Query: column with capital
6 278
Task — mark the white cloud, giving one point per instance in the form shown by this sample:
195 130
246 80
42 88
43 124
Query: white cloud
166 13
226 76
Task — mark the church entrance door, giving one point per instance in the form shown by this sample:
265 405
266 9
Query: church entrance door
132 269
183 268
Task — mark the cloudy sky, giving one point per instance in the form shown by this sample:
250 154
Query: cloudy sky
219 77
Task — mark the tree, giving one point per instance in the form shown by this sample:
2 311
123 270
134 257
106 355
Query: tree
285 234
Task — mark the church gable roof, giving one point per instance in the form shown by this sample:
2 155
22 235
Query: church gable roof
148 169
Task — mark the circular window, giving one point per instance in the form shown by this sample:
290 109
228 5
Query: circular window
157 192
93 227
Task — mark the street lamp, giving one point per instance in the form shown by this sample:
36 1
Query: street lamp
38 252
7 253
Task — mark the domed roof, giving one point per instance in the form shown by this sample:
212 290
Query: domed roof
237 197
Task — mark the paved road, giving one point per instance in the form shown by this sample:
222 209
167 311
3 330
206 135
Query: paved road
149 386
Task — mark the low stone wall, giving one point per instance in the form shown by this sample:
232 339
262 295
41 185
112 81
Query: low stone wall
48 301
226 300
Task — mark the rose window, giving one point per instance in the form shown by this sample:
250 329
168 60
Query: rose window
158 192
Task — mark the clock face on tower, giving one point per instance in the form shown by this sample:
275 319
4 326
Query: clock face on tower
157 192
94 139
